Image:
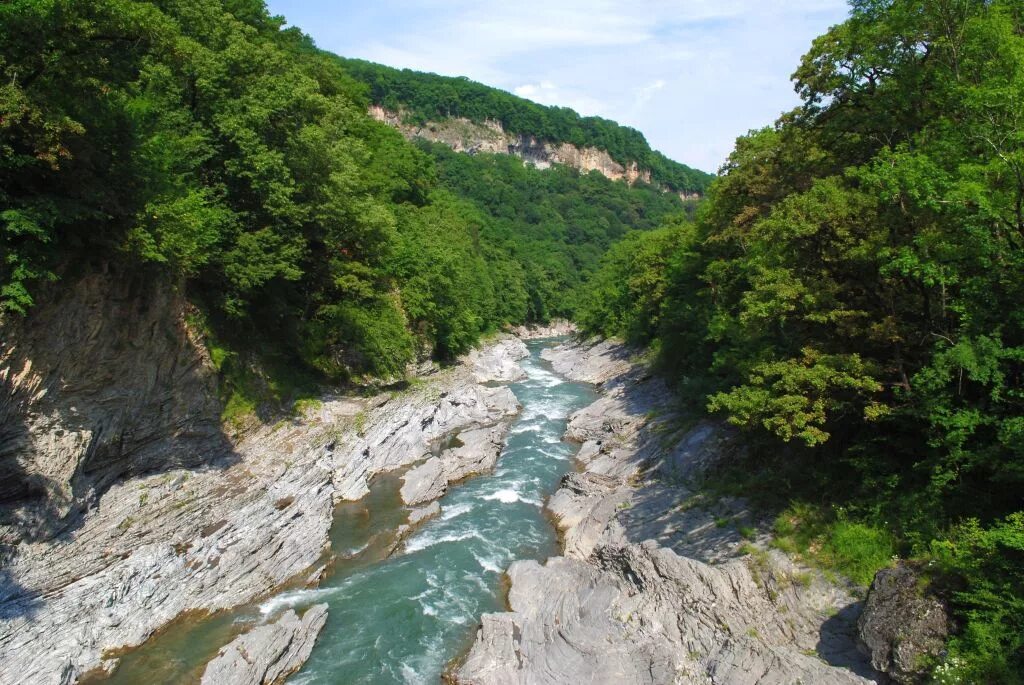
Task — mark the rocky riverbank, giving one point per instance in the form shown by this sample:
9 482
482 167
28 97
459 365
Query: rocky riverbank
556 329
656 583
253 518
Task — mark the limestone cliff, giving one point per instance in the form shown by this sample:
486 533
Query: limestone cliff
100 381
464 135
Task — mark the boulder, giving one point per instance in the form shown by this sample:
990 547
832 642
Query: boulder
499 362
901 628
477 453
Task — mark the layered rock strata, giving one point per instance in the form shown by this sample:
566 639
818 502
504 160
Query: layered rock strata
102 382
464 135
253 517
268 654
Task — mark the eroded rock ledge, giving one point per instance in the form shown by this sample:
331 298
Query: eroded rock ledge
269 653
652 588
251 519
463 135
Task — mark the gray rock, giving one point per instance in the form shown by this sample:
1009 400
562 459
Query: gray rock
399 433
499 361
258 516
594 361
642 614
269 653
101 381
477 452
421 514
901 628
556 329
634 599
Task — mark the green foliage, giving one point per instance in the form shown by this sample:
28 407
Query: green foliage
852 299
425 97
833 542
201 142
625 295
987 569
448 293
545 230
793 398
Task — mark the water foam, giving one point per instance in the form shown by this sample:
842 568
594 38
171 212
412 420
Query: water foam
428 540
488 565
454 510
505 496
289 600
354 551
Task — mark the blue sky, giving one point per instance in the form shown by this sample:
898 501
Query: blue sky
692 75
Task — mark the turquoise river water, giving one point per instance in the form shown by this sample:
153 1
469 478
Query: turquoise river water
402 619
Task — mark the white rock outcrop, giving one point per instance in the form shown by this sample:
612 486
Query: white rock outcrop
464 135
499 362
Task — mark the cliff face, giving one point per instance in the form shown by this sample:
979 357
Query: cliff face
205 539
100 381
463 135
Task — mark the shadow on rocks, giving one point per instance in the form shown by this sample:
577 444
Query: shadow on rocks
837 643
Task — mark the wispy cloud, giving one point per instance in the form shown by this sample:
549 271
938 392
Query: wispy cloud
645 93
691 74
547 93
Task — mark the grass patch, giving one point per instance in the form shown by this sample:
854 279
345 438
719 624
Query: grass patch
359 423
830 541
306 404
255 382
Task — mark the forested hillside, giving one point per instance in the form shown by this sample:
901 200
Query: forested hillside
852 297
557 223
204 147
426 97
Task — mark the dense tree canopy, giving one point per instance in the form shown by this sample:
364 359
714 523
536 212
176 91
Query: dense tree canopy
201 142
854 289
556 223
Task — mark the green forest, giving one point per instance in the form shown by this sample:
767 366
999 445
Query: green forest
204 144
851 297
428 97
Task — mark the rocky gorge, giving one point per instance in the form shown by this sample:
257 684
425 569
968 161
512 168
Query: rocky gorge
655 582
244 521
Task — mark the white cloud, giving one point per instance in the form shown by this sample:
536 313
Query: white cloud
547 93
644 94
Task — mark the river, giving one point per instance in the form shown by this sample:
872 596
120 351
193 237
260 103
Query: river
403 618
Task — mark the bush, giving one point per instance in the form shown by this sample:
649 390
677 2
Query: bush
985 569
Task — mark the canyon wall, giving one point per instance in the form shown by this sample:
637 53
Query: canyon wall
101 381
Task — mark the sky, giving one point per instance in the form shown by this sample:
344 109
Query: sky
692 75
